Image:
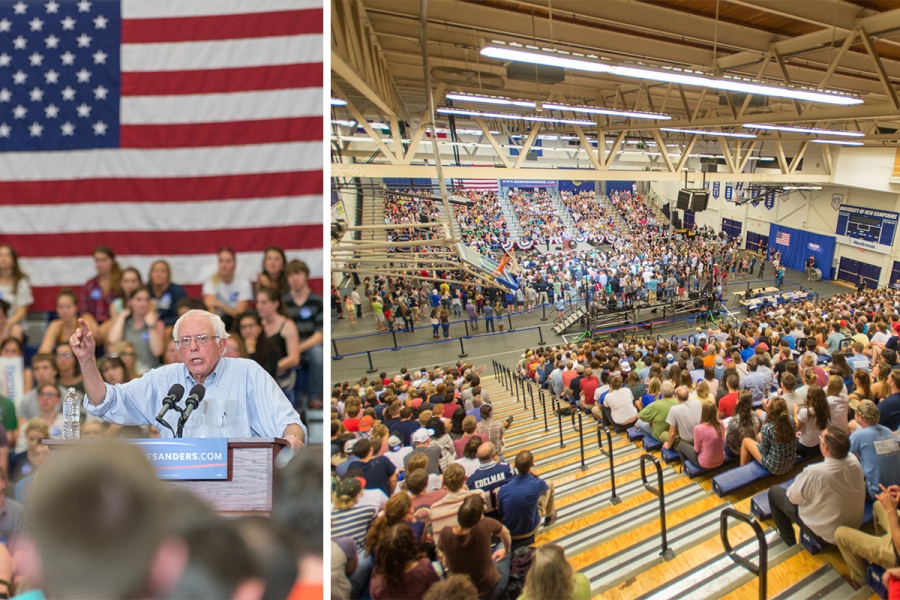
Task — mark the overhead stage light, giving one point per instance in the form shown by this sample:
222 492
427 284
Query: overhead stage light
595 110
838 142
710 133
565 60
813 130
511 117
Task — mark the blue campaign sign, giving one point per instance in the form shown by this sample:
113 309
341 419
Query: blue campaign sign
183 459
770 199
729 191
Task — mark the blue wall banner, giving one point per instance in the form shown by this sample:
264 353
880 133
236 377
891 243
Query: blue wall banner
867 228
797 245
567 185
186 458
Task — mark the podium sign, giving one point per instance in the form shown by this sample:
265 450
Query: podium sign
186 459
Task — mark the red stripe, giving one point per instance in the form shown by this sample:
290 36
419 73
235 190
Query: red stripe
231 133
165 189
215 81
154 243
222 27
45 297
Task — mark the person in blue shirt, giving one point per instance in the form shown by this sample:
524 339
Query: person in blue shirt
526 501
241 399
877 449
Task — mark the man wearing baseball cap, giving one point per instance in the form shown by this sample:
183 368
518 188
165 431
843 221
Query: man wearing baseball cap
421 441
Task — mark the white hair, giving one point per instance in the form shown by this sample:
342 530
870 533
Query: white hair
215 320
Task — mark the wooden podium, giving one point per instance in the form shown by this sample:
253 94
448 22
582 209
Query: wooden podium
248 489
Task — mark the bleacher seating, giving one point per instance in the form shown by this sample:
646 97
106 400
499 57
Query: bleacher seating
874 573
692 470
740 477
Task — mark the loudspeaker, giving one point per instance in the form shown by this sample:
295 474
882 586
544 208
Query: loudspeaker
684 200
699 200
693 295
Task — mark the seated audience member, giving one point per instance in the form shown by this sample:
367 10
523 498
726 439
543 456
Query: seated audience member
60 329
13 348
551 576
492 430
397 452
466 549
682 418
838 402
490 475
378 471
861 549
469 460
98 293
397 510
402 571
455 587
775 449
164 293
468 426
890 406
421 442
526 501
8 329
421 497
443 512
825 495
812 418
876 447
707 451
140 325
744 423
129 280
729 400
618 406
225 294
68 368
43 366
22 464
353 521
126 352
652 419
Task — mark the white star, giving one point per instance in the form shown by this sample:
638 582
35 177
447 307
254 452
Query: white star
83 76
5 60
5 95
37 94
52 7
20 111
51 76
5 130
67 128
19 77
100 22
20 42
84 110
67 58
100 92
68 24
36 129
68 93
84 6
100 128
36 24
5 25
100 57
84 40
20 7
52 41
35 59
51 110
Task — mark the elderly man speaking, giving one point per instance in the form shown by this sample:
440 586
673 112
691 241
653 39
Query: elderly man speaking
241 399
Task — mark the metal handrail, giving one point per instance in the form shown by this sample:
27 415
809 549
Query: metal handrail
762 569
659 491
614 498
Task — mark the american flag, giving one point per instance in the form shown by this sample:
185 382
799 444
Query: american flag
161 128
477 185
783 238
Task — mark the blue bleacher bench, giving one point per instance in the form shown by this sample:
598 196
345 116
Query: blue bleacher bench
634 434
670 455
740 477
759 504
814 545
874 573
692 470
651 444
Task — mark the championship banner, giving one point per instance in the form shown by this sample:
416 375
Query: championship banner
866 228
716 188
729 192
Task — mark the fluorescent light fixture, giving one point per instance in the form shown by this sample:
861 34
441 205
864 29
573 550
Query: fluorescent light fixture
802 187
558 58
607 111
500 101
475 113
343 123
338 102
838 142
813 130
712 133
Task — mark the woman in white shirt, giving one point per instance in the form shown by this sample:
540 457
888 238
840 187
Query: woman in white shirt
620 403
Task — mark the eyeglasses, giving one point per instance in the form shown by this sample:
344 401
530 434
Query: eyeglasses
63 355
48 395
201 340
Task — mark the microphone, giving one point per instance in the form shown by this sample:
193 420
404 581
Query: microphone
169 402
192 402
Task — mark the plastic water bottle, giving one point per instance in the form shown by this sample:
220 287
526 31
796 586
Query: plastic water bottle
71 416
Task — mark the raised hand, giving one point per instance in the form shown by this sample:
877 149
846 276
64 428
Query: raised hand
82 342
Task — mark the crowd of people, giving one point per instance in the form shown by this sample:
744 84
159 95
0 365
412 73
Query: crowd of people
538 218
409 209
482 222
589 215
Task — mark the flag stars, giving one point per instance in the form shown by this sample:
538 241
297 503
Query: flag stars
68 93
36 24
100 57
84 110
83 76
84 40
100 92
84 6
67 128
5 25
52 111
36 94
51 76
5 95
20 42
67 58
100 128
5 60
52 42
19 77
100 22
68 24
52 7
36 129
20 7
5 130
19 112
35 59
